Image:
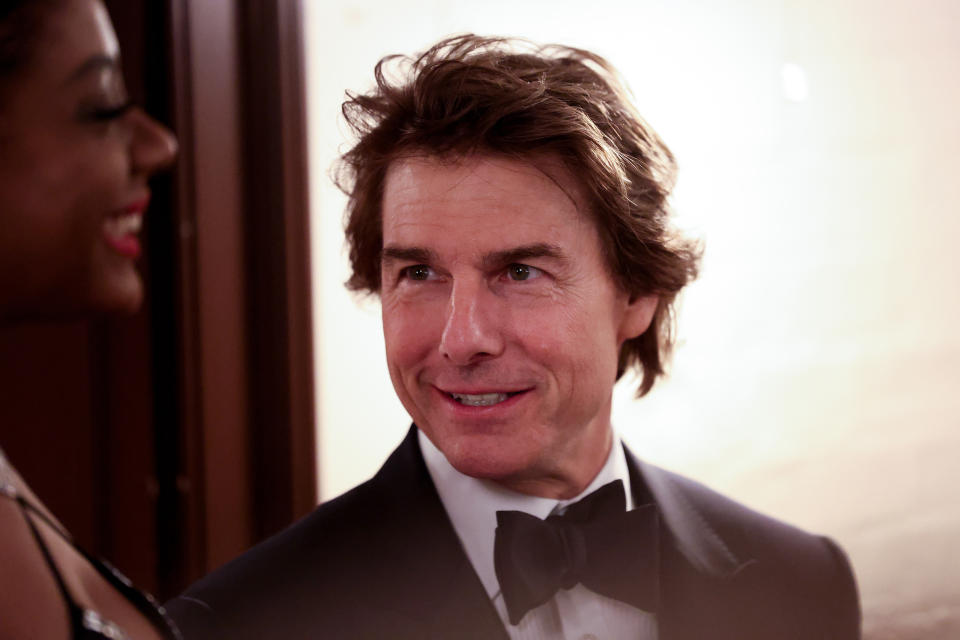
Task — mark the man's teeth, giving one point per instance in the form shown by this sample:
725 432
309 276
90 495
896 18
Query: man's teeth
480 400
120 226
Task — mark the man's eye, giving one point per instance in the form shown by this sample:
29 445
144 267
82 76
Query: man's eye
417 272
522 272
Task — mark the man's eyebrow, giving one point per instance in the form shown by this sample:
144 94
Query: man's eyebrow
94 63
494 259
523 252
406 254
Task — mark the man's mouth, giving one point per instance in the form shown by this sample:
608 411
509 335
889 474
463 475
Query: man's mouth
482 399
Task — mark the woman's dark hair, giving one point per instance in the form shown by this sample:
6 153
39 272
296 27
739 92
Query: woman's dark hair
470 94
20 24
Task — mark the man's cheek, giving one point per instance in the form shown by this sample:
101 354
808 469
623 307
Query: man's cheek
545 332
408 343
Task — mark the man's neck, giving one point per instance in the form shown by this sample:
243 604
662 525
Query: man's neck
569 477
472 503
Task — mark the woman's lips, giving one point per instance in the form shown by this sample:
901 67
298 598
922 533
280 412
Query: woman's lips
120 230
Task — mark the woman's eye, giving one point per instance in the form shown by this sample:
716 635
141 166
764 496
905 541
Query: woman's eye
417 272
520 272
107 114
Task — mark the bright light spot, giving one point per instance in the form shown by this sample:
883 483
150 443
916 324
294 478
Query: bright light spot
794 81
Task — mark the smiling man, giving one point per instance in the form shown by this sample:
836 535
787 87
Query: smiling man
509 207
502 323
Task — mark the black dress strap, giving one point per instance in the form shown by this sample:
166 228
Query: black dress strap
74 611
87 624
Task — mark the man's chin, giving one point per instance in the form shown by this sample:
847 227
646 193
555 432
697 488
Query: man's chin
490 458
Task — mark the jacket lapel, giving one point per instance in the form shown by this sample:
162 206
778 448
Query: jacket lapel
438 592
700 573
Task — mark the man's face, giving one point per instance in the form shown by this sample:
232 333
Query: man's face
501 320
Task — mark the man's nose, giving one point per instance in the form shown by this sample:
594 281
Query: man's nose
471 332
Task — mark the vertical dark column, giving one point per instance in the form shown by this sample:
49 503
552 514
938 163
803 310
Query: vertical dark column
135 374
278 270
166 299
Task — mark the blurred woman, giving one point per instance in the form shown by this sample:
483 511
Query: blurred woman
75 156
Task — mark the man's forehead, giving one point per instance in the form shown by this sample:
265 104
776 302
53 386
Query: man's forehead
485 211
437 176
480 208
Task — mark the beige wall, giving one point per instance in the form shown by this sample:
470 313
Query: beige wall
817 375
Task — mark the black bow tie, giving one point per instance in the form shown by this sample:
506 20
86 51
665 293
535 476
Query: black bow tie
596 543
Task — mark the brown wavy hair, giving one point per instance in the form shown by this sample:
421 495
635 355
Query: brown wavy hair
469 94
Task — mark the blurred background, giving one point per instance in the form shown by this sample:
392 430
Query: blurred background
819 358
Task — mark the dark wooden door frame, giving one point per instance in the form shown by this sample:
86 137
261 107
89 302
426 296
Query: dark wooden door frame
278 266
245 460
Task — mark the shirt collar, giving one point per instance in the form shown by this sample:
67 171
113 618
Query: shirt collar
472 503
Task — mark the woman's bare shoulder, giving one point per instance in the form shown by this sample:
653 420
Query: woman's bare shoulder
31 606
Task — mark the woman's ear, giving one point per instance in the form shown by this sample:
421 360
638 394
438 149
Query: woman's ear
637 316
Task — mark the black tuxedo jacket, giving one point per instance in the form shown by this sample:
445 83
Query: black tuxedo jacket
383 561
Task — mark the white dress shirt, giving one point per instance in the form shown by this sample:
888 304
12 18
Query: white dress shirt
574 614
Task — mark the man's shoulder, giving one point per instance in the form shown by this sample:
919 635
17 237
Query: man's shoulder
345 520
729 553
270 580
359 551
726 532
357 519
400 491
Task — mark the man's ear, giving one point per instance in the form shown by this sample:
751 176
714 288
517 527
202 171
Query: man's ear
637 316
